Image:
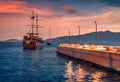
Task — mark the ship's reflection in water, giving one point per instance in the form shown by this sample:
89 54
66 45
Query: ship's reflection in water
78 74
35 56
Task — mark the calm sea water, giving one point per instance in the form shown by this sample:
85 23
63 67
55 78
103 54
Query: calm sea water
45 65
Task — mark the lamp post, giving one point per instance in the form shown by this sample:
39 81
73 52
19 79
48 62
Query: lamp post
79 34
69 35
96 33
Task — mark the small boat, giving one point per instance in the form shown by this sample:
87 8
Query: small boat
32 40
49 43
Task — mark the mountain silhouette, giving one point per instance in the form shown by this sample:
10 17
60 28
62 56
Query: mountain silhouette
104 38
12 40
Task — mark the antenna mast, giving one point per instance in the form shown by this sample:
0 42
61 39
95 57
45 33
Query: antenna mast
32 18
50 33
69 35
36 24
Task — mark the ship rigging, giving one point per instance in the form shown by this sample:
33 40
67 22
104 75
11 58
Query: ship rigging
32 40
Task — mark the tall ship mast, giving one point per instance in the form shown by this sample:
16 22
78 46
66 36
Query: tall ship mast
32 40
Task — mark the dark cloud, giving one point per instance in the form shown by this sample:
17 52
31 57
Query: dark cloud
115 3
66 2
52 16
69 9
65 8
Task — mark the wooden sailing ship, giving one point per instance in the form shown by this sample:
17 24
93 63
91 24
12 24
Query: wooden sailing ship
32 40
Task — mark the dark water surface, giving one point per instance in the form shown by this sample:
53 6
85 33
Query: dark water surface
18 65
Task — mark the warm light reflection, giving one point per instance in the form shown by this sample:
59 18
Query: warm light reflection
79 74
69 72
74 75
97 76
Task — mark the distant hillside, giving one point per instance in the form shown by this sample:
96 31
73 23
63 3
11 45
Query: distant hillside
104 38
13 40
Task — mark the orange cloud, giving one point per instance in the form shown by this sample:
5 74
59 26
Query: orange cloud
24 8
103 16
103 9
13 7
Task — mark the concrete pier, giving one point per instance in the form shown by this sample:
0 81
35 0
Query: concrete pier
106 56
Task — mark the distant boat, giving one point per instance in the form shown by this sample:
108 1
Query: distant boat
49 41
32 40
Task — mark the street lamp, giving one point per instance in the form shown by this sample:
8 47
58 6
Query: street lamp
79 34
96 33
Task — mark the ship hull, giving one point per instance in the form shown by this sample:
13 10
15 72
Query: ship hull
49 43
32 46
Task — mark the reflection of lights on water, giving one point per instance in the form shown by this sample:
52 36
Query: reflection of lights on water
76 75
80 75
97 76
69 72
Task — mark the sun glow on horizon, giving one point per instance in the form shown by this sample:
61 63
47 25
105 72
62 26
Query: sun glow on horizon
15 16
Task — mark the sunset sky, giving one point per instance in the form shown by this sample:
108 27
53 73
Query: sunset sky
59 15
